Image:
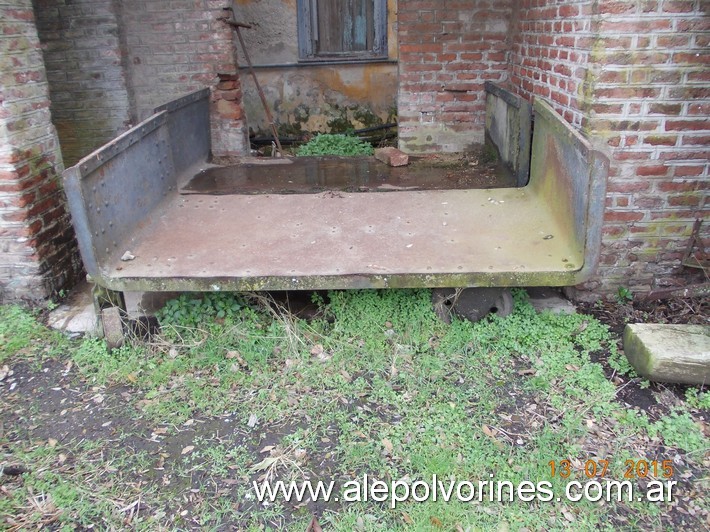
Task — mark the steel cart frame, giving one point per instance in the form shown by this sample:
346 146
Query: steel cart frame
125 198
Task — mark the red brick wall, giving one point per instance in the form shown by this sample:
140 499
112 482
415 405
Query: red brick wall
550 52
447 50
108 62
634 76
39 253
111 63
651 106
228 123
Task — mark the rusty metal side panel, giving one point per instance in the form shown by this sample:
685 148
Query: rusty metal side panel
569 176
80 219
188 125
112 192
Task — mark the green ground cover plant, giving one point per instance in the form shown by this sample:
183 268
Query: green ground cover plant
335 144
170 432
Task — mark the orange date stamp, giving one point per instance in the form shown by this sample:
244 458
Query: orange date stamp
594 468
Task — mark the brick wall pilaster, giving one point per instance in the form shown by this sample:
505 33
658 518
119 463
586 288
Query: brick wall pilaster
651 107
38 249
228 123
634 76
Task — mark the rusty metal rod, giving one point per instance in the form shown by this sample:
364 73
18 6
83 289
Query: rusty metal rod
694 290
236 26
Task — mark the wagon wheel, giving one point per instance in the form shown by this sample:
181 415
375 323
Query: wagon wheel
471 303
112 323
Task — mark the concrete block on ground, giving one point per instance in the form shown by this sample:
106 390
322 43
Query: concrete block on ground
392 156
548 299
77 315
669 353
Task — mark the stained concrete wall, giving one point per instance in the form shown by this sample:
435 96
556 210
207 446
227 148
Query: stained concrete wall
306 97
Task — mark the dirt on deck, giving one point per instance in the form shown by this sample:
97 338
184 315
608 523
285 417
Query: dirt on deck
303 175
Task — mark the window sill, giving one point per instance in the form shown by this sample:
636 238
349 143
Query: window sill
306 63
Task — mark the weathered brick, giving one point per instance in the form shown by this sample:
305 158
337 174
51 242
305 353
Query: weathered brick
652 170
689 170
623 216
392 156
470 49
658 140
28 180
688 125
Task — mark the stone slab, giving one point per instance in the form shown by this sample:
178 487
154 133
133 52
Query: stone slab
669 353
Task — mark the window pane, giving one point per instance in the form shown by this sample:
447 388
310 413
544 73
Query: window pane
345 26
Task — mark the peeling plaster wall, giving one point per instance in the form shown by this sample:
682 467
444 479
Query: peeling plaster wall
274 37
322 98
307 97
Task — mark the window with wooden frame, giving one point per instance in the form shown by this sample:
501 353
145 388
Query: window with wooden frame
347 30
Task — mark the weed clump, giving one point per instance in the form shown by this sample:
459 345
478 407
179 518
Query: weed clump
335 144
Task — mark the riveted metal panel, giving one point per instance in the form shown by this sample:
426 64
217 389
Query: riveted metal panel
188 124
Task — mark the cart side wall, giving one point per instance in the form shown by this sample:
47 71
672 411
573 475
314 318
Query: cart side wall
569 177
509 129
188 129
113 192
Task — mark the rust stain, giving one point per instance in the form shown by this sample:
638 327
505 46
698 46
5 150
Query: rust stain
364 86
392 43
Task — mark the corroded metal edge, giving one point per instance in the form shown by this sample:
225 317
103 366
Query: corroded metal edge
184 101
505 95
337 282
595 200
121 143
